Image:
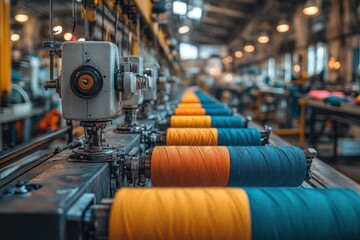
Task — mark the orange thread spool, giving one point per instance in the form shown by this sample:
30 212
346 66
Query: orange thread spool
190 166
190 121
189 105
189 111
192 137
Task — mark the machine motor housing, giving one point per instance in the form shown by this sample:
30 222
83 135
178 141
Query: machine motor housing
133 100
88 81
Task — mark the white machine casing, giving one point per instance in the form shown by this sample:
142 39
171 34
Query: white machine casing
103 56
151 93
133 100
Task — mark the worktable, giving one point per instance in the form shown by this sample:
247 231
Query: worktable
347 113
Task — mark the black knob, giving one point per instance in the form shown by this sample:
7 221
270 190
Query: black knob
86 81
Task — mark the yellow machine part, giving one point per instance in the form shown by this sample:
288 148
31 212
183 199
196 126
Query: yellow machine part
5 48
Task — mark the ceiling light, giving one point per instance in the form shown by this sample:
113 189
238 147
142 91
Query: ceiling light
238 54
21 17
184 29
57 29
249 48
229 77
81 40
310 8
68 36
15 37
195 13
179 8
263 38
283 26
297 68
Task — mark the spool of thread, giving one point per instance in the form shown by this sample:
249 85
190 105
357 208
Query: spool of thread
192 137
239 137
174 166
189 105
233 213
190 121
274 166
227 122
207 121
190 111
201 166
302 214
213 137
164 214
203 111
200 105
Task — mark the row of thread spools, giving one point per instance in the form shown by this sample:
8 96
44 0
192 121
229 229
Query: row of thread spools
208 158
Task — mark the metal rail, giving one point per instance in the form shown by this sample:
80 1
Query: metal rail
32 145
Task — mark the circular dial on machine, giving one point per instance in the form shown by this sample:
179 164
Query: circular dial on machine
86 81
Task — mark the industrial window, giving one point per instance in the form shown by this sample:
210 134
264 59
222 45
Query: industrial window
311 60
188 51
316 58
179 7
272 68
287 67
320 57
206 51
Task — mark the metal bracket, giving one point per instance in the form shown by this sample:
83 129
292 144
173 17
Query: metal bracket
76 214
265 136
310 154
247 120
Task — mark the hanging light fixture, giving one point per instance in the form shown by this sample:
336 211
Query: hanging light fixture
184 29
238 54
282 26
15 37
263 38
249 47
310 8
21 17
58 29
68 36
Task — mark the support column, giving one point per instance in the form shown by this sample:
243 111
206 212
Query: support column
5 50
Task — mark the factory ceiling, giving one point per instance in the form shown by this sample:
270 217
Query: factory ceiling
223 21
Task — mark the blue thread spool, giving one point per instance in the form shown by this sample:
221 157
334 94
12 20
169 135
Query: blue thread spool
227 122
303 214
239 137
275 166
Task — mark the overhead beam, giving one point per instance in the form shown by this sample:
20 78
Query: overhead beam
206 39
217 22
224 11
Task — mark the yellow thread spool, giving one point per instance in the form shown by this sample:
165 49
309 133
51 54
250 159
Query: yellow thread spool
190 121
187 213
192 137
190 111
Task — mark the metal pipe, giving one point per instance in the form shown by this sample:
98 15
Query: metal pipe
51 16
31 145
